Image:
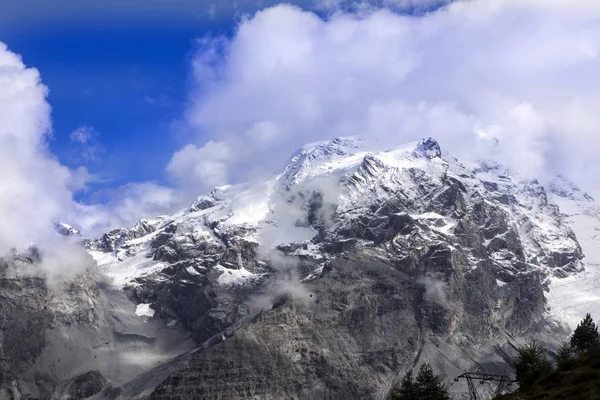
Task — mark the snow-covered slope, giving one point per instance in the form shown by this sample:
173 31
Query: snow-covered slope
572 297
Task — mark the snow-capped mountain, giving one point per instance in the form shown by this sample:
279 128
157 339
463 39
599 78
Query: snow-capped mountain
473 245
327 186
350 266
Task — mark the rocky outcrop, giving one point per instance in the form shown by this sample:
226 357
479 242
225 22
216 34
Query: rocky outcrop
85 385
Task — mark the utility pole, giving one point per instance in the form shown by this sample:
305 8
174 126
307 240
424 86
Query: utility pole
503 382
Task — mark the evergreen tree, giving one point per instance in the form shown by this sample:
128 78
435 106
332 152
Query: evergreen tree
407 389
427 386
585 336
531 366
565 359
430 386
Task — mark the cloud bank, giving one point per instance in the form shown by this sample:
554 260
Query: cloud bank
34 188
524 72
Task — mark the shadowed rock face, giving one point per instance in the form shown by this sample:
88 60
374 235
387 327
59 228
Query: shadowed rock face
331 345
86 385
73 340
24 319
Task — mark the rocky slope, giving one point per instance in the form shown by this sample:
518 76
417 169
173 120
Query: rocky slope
330 280
73 339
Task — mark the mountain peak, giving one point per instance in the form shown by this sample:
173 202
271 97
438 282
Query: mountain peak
65 229
429 147
313 155
563 187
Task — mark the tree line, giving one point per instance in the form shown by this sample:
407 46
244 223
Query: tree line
533 364
531 367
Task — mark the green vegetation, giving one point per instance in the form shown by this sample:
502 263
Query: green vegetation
577 372
532 365
427 386
585 336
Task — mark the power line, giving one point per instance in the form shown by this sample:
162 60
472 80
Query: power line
587 278
575 294
577 305
503 382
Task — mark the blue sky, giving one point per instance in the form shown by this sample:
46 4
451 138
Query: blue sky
122 71
128 85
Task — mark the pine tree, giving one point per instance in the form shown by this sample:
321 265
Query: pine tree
430 386
427 386
532 365
565 359
407 389
585 336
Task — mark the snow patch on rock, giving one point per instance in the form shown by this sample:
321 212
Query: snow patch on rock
235 276
144 310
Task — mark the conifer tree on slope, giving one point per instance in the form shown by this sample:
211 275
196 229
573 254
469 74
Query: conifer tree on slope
532 364
565 357
585 336
407 389
427 386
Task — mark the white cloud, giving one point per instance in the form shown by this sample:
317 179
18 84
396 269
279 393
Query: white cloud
124 207
35 188
85 138
525 72
194 167
82 135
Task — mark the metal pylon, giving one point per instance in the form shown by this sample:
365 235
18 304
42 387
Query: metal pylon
471 377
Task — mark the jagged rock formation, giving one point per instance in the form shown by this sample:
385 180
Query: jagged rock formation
328 281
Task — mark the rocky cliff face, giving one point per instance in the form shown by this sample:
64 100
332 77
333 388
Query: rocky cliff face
334 278
73 339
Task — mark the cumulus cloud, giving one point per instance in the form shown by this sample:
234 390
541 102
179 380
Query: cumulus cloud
35 188
193 167
523 72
